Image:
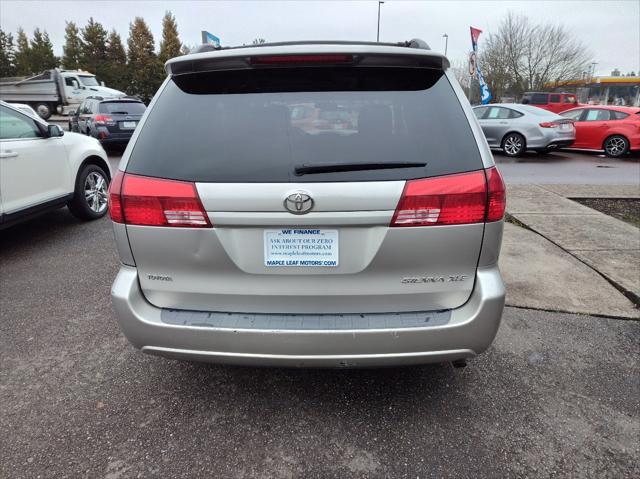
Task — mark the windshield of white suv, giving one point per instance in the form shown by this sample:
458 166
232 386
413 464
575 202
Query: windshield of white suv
259 125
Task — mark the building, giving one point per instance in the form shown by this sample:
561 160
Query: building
607 90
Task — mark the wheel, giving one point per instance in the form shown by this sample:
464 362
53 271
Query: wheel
513 144
91 193
44 110
616 146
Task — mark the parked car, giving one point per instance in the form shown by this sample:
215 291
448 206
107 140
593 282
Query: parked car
515 128
612 129
110 120
555 102
247 239
42 168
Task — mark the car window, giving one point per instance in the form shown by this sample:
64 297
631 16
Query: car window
570 99
573 114
89 81
15 125
618 115
69 81
498 113
554 98
515 114
122 107
479 112
539 99
258 125
597 115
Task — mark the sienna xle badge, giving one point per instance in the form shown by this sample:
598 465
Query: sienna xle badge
309 204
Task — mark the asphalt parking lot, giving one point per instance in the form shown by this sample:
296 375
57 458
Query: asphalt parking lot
557 395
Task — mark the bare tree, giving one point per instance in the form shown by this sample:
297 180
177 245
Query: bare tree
460 69
522 55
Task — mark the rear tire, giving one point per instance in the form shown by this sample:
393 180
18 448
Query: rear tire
616 146
513 145
43 110
90 195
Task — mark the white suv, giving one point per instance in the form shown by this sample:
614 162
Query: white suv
42 168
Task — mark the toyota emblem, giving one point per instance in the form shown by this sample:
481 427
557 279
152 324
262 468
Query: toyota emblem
298 203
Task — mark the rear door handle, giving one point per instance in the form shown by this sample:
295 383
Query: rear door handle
8 154
504 123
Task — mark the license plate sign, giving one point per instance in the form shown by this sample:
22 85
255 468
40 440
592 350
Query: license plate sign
128 125
301 247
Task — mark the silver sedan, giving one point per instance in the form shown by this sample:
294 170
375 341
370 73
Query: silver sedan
515 128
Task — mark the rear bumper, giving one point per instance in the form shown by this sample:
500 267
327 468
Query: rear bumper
560 144
550 138
468 332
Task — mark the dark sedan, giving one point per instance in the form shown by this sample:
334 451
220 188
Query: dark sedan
111 120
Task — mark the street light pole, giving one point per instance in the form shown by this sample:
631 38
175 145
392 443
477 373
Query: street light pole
446 43
378 34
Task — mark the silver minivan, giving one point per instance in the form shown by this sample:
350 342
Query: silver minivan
324 204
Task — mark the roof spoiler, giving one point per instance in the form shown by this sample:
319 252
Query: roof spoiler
413 53
413 43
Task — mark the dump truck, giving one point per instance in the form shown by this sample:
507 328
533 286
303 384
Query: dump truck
54 90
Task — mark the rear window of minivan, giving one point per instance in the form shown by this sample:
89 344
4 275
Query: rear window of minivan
257 125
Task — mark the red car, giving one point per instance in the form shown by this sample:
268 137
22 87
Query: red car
555 102
614 129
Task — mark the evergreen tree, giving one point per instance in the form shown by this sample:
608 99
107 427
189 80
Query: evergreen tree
7 55
42 57
145 69
72 48
23 53
115 73
94 48
170 45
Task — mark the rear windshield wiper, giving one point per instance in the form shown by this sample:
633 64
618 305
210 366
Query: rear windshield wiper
338 167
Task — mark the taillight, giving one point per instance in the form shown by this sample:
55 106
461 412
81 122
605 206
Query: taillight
115 201
103 120
300 59
451 200
496 195
549 124
140 200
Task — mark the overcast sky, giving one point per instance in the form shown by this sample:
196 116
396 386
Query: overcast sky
611 28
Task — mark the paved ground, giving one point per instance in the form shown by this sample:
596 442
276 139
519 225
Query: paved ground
609 245
540 274
569 167
557 395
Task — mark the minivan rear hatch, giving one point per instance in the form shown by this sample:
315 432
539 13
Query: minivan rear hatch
328 184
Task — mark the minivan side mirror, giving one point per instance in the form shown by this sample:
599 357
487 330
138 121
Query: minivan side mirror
54 131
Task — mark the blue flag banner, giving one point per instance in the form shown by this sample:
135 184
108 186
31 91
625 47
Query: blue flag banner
210 39
485 94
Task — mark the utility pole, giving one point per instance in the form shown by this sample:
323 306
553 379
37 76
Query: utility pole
446 43
378 35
